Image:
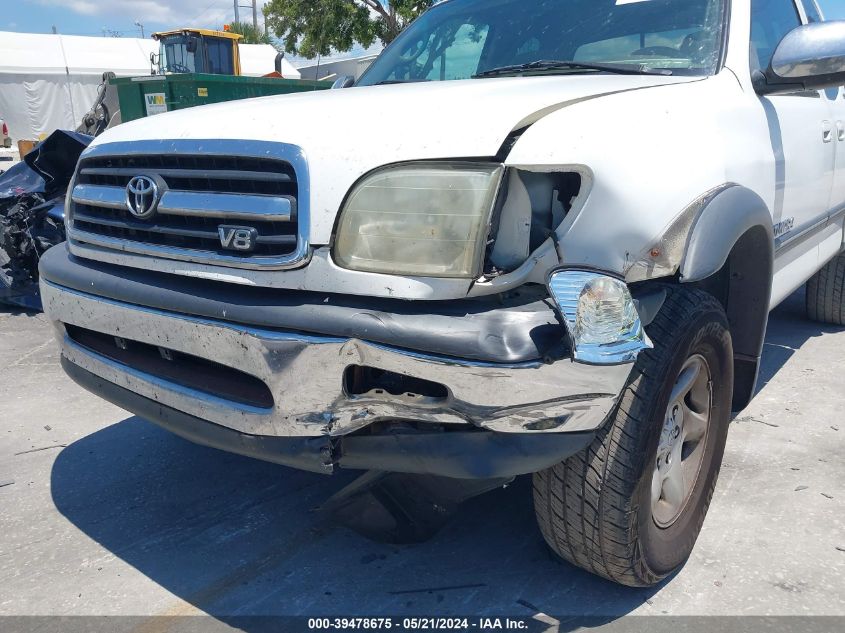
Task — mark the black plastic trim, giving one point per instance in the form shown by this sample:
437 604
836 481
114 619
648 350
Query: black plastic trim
508 329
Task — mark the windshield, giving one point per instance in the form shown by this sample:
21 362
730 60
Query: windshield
178 54
460 39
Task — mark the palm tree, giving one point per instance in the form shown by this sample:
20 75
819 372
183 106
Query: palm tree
250 34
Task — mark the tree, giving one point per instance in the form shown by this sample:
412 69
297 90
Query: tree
250 34
318 27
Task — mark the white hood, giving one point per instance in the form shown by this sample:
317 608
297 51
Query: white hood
346 133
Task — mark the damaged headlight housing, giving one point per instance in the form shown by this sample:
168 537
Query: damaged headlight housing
600 316
421 219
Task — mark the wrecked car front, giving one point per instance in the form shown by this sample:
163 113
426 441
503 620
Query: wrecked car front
32 197
431 277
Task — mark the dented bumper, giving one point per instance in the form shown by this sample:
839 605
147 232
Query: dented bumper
260 382
458 454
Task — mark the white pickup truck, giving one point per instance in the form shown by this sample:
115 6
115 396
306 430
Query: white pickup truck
535 237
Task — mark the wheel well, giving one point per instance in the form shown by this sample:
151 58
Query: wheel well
744 286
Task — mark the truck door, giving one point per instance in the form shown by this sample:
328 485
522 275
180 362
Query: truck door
803 135
836 98
837 196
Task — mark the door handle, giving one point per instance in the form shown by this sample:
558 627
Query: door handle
827 132
840 130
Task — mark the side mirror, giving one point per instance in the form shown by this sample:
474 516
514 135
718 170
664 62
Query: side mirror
344 81
811 57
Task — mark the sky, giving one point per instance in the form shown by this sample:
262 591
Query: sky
833 9
94 17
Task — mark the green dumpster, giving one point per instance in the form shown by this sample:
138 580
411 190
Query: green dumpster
144 96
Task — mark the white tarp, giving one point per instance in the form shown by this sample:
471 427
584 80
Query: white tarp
260 59
48 82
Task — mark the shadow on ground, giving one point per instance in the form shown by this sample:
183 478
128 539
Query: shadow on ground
237 537
14 310
788 330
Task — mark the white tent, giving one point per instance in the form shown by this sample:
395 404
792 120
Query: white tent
48 82
260 59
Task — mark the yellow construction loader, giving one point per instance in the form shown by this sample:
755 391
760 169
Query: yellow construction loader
202 51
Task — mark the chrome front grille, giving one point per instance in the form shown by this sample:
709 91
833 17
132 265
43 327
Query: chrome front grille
198 193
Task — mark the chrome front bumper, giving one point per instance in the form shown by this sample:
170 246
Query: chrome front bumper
305 375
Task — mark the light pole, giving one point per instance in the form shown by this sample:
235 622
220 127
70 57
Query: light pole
141 26
254 7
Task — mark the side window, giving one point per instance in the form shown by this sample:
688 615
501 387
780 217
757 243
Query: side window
812 11
220 57
771 20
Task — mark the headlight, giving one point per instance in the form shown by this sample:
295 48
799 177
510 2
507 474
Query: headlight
600 316
426 219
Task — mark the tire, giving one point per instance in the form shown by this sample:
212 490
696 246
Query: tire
595 509
826 293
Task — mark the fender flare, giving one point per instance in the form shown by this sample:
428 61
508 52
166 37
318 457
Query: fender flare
734 234
722 221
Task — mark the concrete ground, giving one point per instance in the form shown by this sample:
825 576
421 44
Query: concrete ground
104 513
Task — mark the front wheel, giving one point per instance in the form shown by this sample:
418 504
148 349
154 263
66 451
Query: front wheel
630 506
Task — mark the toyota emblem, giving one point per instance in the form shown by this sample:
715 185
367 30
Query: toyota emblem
142 195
